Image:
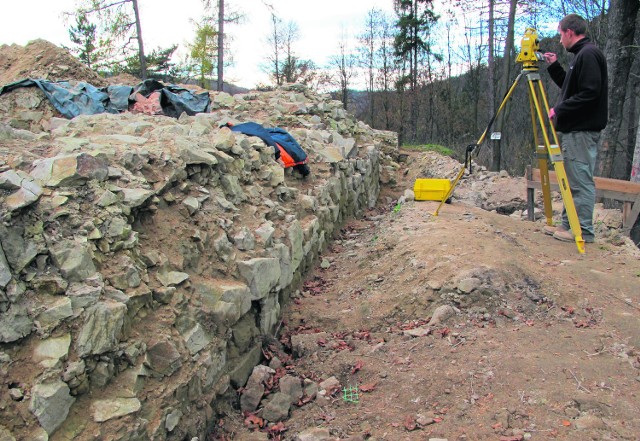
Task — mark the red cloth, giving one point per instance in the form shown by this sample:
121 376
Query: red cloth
148 106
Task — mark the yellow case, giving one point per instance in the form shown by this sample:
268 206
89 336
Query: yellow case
431 189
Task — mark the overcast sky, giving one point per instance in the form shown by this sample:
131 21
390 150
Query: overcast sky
321 25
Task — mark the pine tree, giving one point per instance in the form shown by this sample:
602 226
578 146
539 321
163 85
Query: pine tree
415 20
83 34
120 24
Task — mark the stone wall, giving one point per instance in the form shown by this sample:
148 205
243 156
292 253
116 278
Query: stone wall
144 259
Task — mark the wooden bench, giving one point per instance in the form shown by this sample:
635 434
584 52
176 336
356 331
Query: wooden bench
625 191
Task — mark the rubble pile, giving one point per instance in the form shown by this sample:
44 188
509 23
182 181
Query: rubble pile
144 259
505 194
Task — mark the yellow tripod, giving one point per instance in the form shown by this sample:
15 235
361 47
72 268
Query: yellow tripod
547 152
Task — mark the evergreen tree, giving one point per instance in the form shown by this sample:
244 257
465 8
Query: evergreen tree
83 34
158 64
215 13
415 20
203 52
119 23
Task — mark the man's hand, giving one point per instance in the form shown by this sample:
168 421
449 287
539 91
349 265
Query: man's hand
552 113
550 57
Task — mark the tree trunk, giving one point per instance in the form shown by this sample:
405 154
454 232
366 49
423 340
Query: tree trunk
413 74
368 40
220 45
143 59
635 177
491 89
632 137
619 51
277 43
635 165
401 115
504 83
345 97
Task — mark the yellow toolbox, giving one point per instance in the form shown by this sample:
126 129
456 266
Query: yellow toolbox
431 189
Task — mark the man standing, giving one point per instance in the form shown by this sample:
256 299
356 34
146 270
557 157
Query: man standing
578 117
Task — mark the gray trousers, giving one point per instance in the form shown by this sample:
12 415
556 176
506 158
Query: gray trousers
580 150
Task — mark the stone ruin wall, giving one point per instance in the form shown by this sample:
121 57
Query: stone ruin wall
143 259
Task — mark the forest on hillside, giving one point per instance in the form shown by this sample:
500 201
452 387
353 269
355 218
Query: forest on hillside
433 72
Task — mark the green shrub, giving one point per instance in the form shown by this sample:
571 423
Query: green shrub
429 148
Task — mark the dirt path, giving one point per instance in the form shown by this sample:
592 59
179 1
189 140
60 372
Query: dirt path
535 341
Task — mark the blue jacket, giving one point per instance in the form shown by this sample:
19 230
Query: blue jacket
274 136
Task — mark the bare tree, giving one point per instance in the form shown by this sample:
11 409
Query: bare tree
448 100
472 56
274 40
589 10
290 63
507 63
388 69
344 64
284 66
369 40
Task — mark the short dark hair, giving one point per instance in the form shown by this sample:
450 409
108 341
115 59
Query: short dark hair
574 22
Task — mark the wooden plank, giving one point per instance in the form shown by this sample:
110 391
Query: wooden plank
618 196
601 183
625 191
631 213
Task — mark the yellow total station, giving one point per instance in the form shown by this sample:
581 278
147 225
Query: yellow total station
544 136
530 50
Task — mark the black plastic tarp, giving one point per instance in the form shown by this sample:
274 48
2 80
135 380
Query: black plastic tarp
119 97
70 100
85 99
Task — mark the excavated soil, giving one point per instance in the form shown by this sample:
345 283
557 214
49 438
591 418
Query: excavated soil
40 59
540 342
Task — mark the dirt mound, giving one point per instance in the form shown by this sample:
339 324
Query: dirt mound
123 79
40 59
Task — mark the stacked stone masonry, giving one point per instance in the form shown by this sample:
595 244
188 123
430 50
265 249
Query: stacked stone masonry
144 259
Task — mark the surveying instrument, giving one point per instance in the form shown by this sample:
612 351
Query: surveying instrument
529 56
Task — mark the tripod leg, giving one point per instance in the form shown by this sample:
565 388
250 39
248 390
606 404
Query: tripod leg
556 158
542 156
480 141
450 192
543 165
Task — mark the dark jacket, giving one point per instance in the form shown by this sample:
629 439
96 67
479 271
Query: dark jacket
583 102
285 146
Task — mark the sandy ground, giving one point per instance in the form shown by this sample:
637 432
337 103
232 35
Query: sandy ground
541 343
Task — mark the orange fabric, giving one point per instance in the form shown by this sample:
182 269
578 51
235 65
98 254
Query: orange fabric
286 158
